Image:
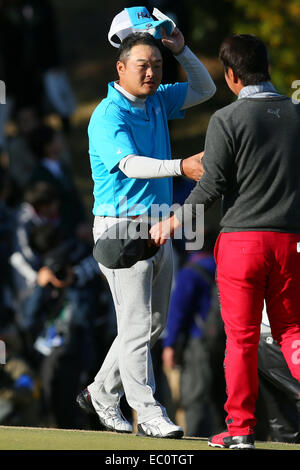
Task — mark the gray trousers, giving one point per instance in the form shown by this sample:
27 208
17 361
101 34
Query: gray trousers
195 389
141 298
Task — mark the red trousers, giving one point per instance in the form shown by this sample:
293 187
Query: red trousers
251 267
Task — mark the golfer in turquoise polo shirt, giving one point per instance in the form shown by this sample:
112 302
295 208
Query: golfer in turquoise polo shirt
132 170
118 129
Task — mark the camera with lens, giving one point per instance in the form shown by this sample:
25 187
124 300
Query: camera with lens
56 251
58 264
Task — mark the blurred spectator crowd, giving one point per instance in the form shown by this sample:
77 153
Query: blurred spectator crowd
56 318
56 314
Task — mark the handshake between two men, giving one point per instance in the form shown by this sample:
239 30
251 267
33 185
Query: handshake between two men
192 168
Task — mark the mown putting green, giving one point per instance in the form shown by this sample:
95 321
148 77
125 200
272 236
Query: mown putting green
22 438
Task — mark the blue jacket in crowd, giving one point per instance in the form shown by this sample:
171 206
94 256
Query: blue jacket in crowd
190 298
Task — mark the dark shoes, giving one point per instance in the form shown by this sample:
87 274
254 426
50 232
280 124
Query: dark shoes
225 441
85 402
110 416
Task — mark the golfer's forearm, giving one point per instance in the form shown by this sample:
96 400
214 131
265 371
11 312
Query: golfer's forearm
139 167
200 84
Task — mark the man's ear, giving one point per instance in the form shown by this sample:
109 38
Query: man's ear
120 67
232 75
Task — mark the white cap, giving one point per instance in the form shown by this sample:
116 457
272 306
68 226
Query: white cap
138 19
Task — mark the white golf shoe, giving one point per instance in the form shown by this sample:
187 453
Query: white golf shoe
112 418
161 426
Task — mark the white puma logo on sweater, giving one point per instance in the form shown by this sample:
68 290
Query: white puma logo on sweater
274 111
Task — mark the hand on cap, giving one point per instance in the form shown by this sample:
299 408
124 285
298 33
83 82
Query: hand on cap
175 42
192 166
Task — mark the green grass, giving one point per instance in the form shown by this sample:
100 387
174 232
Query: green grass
22 438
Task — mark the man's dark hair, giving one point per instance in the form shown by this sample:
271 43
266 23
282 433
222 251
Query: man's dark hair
247 56
135 39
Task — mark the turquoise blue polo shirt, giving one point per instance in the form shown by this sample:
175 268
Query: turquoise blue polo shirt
116 130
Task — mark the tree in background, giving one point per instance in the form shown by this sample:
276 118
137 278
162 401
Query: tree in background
278 24
210 22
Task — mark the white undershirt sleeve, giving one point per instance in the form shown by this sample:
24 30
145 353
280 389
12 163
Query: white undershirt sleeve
200 84
139 167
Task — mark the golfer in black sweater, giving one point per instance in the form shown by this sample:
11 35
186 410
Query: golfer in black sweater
252 161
